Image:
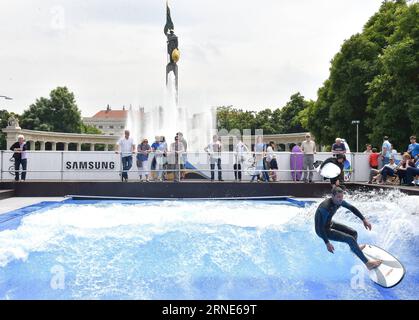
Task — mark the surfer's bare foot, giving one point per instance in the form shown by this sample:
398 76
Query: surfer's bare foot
372 264
362 246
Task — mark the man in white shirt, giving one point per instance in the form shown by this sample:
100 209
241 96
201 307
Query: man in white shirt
308 147
240 149
175 158
126 148
214 152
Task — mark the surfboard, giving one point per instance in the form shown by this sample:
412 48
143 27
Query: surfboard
329 171
296 163
390 272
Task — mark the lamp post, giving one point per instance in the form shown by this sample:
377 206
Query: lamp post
6 97
357 136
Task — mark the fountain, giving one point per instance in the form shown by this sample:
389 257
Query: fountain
171 117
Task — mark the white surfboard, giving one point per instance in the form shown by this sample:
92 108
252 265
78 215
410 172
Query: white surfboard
329 171
390 272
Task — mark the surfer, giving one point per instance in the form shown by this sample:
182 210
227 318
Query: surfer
329 230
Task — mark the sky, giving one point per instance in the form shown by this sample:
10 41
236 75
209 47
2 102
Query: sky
249 54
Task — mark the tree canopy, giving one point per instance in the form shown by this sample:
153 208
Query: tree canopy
375 79
58 113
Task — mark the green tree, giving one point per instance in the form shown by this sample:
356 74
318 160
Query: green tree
89 129
263 121
374 79
59 113
352 69
4 118
318 118
230 118
394 93
290 121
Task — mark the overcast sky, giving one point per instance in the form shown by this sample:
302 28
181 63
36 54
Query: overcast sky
250 54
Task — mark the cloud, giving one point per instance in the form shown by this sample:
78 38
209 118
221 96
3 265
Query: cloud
253 54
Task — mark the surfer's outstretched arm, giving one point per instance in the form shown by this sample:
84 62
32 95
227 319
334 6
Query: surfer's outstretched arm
356 212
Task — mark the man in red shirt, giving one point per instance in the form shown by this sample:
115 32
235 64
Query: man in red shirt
373 158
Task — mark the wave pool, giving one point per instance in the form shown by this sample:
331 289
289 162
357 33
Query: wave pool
201 250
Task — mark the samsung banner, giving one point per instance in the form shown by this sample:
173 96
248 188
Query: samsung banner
102 166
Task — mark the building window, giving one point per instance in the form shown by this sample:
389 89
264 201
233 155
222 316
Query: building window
100 127
110 127
122 127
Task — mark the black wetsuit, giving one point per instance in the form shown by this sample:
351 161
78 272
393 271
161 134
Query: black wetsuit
340 165
328 230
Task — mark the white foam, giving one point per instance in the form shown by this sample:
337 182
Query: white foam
394 217
39 230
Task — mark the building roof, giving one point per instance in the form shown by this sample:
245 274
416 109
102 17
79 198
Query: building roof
111 114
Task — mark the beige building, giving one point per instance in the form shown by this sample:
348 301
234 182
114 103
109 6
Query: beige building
110 122
46 140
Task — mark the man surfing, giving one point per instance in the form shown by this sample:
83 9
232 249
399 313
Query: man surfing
329 230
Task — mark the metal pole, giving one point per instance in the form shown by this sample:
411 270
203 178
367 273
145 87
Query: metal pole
62 165
1 168
357 136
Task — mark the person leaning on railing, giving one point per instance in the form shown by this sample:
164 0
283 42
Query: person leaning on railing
125 146
240 150
214 152
20 156
308 147
271 161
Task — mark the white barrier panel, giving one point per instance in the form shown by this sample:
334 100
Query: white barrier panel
106 165
41 166
91 165
201 162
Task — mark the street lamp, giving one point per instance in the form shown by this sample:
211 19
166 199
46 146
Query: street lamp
6 97
357 124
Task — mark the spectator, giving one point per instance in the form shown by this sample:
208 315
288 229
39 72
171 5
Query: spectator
19 154
154 147
214 152
338 147
260 149
388 170
381 174
272 164
175 160
309 149
339 161
373 159
406 162
413 148
126 148
412 173
143 151
368 148
240 150
161 163
385 151
185 148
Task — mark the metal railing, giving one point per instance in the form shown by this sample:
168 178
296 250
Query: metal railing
249 166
